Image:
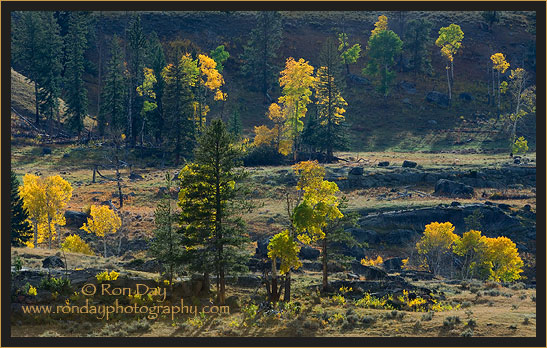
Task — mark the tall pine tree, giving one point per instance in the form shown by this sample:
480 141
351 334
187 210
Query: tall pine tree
260 53
212 227
75 91
21 231
135 63
114 94
156 60
331 105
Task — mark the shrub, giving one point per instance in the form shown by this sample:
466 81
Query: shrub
417 326
526 321
427 316
472 323
450 322
368 320
369 301
466 304
105 276
263 156
518 286
59 285
467 332
75 244
338 300
313 325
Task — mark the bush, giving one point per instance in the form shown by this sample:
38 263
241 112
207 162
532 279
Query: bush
427 316
452 321
59 285
75 244
467 332
518 286
466 304
368 320
263 156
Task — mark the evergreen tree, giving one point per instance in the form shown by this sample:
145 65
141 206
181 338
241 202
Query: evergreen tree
114 94
21 231
260 53
135 64
219 55
28 38
337 239
178 104
234 125
156 60
166 246
416 45
330 102
75 91
209 198
50 67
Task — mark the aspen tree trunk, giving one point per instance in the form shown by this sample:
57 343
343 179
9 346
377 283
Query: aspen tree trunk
325 264
449 89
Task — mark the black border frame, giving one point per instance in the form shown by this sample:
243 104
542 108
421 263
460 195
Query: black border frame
538 6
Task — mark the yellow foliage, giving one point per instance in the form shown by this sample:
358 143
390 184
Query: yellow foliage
372 262
504 257
379 26
45 200
32 291
437 236
103 221
330 101
499 62
105 276
264 135
75 244
284 247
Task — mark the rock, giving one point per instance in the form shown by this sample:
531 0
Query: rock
369 272
450 188
408 87
248 281
358 80
309 253
466 97
53 262
393 264
505 207
357 171
455 204
262 247
151 266
406 101
527 207
46 151
66 155
437 98
409 164
432 122
383 164
75 218
352 276
516 160
134 176
400 236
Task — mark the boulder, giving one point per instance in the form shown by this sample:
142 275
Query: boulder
309 253
357 171
46 151
466 97
393 264
383 164
409 164
432 122
408 87
449 188
369 272
53 262
437 98
75 218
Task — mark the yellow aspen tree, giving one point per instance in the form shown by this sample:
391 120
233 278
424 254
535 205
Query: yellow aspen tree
103 222
296 81
500 65
57 193
436 243
503 255
379 26
209 80
450 40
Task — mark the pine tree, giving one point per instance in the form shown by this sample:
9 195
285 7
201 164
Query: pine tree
156 60
260 53
21 231
212 229
28 38
135 64
114 94
331 105
166 246
416 45
75 91
177 100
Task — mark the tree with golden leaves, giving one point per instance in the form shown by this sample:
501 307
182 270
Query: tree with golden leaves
296 82
500 65
436 244
102 223
450 41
